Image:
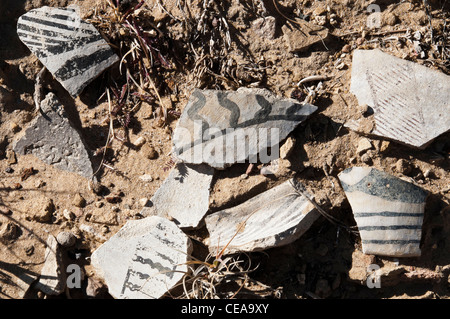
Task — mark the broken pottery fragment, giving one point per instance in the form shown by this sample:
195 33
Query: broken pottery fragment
144 259
220 128
410 101
53 277
274 218
71 49
388 211
183 196
300 37
52 138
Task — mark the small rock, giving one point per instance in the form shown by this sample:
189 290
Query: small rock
365 158
364 145
78 201
42 209
39 183
346 48
150 152
94 287
421 17
66 239
67 214
140 141
146 178
360 263
320 10
341 66
428 173
99 216
265 27
390 19
52 280
9 231
287 148
390 277
96 187
11 157
384 146
14 127
403 166
143 201
9 170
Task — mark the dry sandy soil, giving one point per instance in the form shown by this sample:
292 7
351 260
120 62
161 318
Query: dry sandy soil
326 262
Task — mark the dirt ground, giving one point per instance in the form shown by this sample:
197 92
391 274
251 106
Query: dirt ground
326 262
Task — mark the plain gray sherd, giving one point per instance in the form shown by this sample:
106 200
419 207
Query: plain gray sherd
52 138
183 196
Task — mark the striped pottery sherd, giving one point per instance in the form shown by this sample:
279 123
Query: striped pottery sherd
69 47
388 211
271 219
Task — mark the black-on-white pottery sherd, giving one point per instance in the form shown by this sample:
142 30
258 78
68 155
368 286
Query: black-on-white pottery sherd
71 48
389 211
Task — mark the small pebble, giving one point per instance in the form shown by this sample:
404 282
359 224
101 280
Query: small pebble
146 178
390 19
428 173
9 170
14 127
402 166
68 215
139 141
341 66
320 11
143 201
11 157
346 48
66 239
366 159
94 287
364 145
150 152
78 201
